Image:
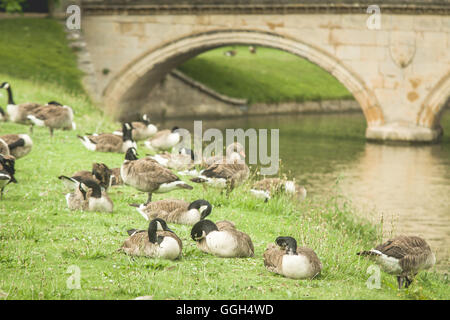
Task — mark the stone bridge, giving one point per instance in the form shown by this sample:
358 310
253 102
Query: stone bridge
399 73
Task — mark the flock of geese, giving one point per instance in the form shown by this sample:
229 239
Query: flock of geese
403 256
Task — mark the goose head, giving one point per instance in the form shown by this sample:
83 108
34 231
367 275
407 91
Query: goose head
203 207
127 130
287 243
202 228
154 226
102 173
131 154
8 162
5 85
54 103
92 187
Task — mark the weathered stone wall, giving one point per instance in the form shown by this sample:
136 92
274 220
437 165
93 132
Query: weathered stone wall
400 74
176 98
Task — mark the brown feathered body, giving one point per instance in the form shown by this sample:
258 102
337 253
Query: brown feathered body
19 113
147 175
223 175
55 117
270 187
304 265
403 256
107 142
19 144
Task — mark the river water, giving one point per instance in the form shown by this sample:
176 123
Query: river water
406 186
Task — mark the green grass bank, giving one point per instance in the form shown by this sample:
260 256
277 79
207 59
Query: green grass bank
40 239
268 76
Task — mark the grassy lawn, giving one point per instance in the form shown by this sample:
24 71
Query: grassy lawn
40 238
268 76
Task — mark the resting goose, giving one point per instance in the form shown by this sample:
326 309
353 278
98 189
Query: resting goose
100 173
176 211
222 239
147 175
141 129
108 142
87 196
19 145
234 152
184 160
7 172
403 256
266 188
163 140
53 115
291 261
224 175
156 242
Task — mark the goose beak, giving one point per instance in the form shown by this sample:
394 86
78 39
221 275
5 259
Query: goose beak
242 153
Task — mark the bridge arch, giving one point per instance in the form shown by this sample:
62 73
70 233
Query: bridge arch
133 83
433 105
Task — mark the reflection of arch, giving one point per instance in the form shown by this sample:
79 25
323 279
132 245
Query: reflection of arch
433 105
135 80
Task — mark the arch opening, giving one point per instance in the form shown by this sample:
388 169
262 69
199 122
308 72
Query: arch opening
130 87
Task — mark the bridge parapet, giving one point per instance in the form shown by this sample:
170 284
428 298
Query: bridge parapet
149 7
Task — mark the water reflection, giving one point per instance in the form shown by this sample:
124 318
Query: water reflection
408 185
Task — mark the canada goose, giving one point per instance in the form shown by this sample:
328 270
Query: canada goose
108 142
100 173
222 239
18 113
266 188
403 256
87 196
163 140
291 261
230 53
176 211
147 175
156 242
7 172
19 144
183 160
54 116
141 129
234 152
227 173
